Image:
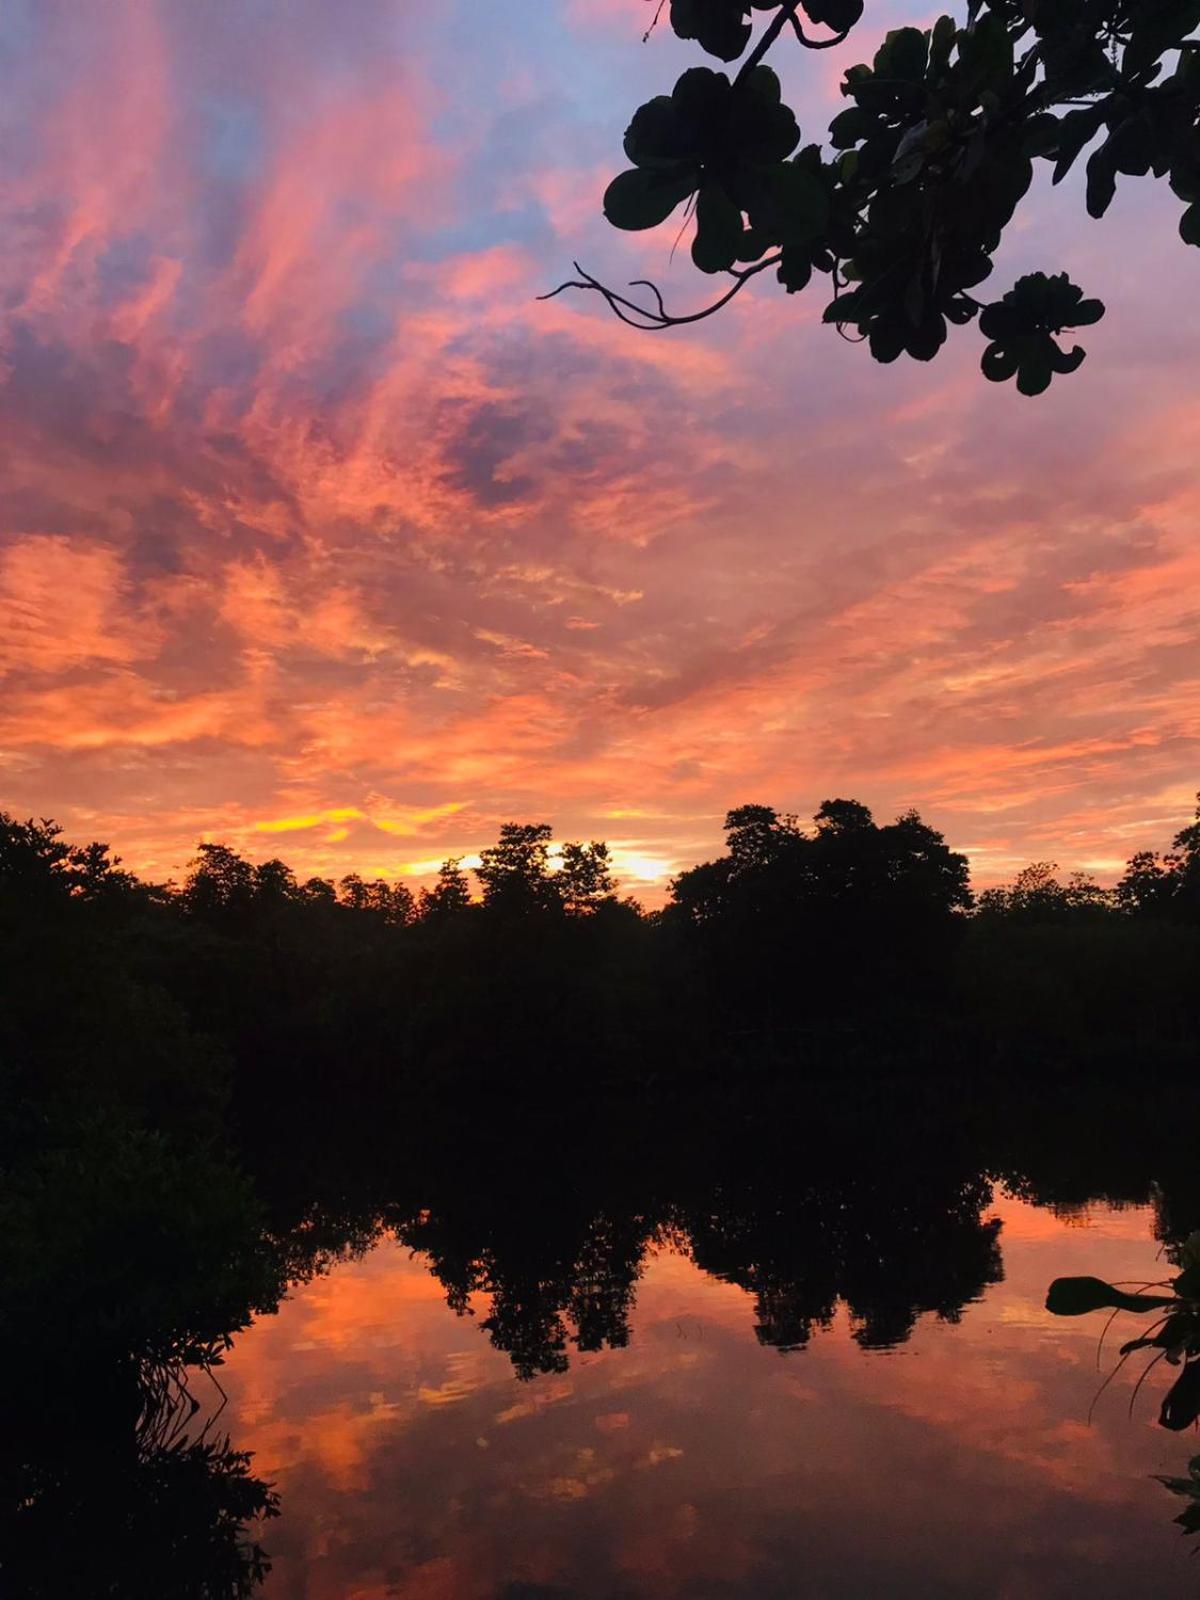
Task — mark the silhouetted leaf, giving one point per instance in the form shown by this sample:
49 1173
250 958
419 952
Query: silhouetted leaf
642 198
1181 1404
999 363
718 26
718 230
795 269
1074 1297
840 15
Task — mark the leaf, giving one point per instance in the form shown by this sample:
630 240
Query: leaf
642 198
760 129
985 54
851 126
840 15
941 42
656 134
886 340
1064 361
999 321
1076 130
1181 1404
1101 180
1189 225
1074 1297
1158 28
843 307
1034 374
718 26
903 54
1172 1335
999 363
718 230
700 95
764 82
1182 1486
924 342
795 269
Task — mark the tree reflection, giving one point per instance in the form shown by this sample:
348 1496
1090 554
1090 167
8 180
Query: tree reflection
129 1264
550 1258
94 1504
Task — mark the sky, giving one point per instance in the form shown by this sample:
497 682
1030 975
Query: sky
322 536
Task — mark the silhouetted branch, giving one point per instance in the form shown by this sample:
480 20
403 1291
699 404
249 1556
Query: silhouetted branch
785 15
657 316
817 44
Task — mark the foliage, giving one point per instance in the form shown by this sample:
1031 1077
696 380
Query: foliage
1036 895
1175 1335
926 166
1189 1489
850 919
127 1263
113 1514
158 1003
124 1245
1166 886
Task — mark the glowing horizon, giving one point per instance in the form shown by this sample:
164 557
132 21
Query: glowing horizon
322 537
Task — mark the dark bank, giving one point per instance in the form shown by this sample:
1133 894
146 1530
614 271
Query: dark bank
812 1074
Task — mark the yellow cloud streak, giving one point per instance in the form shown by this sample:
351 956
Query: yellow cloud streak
403 823
298 824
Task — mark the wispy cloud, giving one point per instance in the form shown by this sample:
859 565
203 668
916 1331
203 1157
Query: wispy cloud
316 521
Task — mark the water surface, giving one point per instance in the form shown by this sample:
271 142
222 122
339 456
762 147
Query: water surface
722 1443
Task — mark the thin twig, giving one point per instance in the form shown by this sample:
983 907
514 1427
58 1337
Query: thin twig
651 318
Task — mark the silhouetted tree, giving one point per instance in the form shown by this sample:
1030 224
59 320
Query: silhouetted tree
450 895
849 919
584 877
1037 895
1166 886
929 162
220 883
392 903
515 873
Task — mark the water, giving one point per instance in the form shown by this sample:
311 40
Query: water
705 1449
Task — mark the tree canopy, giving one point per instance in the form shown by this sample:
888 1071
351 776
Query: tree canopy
904 205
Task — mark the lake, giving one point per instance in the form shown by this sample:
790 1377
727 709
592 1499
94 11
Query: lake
785 1399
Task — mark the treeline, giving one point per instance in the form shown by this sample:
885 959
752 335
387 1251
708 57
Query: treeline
796 945
207 1089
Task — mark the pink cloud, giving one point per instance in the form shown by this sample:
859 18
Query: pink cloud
308 499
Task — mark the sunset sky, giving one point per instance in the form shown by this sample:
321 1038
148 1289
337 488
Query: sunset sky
321 536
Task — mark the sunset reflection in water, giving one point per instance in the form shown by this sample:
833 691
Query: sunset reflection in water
413 1464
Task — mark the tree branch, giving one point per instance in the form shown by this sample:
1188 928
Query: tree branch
657 316
816 44
785 15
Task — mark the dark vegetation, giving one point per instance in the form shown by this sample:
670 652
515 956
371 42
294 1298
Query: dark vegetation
208 1092
926 168
845 936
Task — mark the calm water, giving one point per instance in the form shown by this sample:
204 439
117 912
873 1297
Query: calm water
715 1453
